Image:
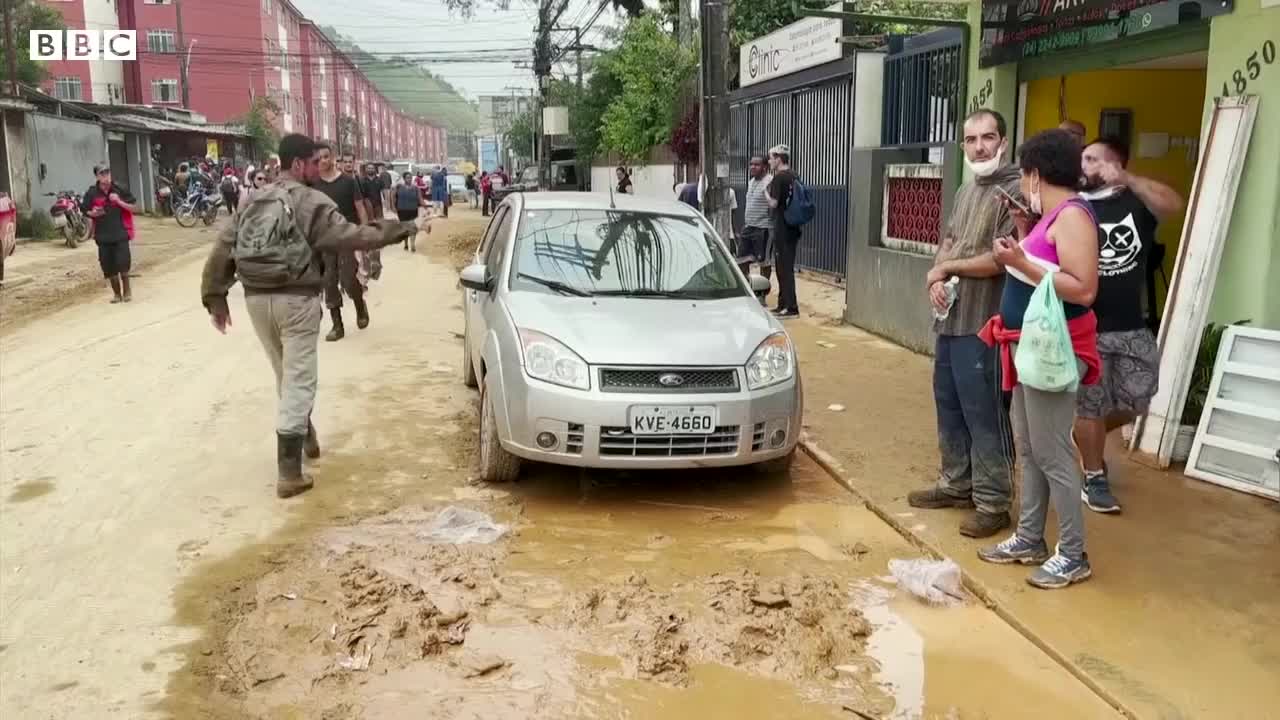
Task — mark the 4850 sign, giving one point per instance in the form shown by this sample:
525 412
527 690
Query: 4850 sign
1252 70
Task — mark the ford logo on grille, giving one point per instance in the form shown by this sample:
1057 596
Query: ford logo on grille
671 380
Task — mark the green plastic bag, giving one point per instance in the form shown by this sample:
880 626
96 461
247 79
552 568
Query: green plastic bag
1045 358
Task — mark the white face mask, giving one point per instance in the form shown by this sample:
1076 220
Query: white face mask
1034 201
983 168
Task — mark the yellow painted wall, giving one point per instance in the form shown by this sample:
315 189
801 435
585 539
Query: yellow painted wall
1168 101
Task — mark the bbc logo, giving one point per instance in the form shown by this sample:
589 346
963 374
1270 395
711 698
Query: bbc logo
84 45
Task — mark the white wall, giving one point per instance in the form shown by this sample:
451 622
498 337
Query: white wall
105 75
648 181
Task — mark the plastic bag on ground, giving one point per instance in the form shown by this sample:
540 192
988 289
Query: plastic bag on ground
937 582
459 526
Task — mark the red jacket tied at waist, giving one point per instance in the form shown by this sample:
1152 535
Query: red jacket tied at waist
1084 340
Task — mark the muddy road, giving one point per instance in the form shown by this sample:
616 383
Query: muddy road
148 570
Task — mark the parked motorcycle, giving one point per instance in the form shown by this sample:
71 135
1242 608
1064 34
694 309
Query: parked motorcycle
164 195
198 206
67 216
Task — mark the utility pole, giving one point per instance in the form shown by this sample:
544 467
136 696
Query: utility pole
549 12
714 148
184 59
11 43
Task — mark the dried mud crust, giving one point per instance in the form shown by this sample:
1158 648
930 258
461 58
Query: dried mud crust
793 628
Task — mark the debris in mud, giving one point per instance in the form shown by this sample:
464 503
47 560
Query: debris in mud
855 550
460 526
474 666
660 650
937 582
770 600
835 407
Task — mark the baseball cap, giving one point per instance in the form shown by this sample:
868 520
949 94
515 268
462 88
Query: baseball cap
780 150
99 169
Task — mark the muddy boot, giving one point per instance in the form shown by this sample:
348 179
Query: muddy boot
362 312
124 286
116 295
935 499
981 524
312 445
289 461
338 332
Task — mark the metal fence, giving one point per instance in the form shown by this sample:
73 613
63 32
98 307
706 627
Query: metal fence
816 121
924 86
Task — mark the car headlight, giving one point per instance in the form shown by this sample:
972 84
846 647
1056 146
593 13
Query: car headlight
771 363
547 359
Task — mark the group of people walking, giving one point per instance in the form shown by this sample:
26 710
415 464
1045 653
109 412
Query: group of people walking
1068 213
293 242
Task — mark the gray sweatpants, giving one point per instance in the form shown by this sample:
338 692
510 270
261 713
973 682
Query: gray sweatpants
1042 431
289 328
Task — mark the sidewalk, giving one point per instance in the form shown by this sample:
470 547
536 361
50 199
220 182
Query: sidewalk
1178 621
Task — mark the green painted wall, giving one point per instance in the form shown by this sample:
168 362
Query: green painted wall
1248 284
1249 279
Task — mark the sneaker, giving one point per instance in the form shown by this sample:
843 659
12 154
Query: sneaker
1015 550
1060 571
786 314
935 499
1096 494
981 524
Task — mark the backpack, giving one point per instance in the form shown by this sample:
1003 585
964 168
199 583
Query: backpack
800 210
228 183
270 251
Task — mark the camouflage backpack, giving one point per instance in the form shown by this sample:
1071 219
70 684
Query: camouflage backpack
270 251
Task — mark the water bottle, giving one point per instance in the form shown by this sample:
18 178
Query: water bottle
950 289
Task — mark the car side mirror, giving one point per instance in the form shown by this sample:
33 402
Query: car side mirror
476 277
760 284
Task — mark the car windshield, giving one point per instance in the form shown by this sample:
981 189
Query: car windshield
614 252
530 176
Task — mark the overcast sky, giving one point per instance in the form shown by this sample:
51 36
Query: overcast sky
425 26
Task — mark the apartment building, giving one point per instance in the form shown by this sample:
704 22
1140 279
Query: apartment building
97 81
238 51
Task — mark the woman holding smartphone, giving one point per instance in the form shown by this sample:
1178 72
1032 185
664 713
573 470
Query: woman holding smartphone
1059 237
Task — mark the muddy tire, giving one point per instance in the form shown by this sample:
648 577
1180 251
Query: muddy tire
72 234
777 466
496 464
468 368
186 217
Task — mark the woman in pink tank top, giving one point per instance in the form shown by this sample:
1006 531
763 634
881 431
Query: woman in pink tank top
1063 241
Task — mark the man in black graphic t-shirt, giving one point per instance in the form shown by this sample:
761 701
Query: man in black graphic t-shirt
1128 208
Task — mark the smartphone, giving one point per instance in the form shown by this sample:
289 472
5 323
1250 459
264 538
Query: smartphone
1014 201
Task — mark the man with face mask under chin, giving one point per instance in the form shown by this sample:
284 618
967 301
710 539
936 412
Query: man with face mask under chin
974 436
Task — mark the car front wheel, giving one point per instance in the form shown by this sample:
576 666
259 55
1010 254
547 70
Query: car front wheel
496 464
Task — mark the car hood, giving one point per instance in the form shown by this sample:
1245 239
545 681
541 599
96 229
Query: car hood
647 331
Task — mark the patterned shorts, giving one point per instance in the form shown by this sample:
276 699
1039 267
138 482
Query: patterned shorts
1130 375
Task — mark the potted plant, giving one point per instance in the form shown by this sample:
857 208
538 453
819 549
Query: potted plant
1198 391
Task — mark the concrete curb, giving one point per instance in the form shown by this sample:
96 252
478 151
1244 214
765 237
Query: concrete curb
972 584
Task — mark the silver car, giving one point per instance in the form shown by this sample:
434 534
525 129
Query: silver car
618 333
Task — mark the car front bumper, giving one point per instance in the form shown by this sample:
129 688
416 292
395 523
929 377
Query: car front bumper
591 427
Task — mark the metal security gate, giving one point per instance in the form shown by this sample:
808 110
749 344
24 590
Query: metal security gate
816 121
924 86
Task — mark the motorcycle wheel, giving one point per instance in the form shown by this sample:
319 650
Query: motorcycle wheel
71 231
185 216
210 216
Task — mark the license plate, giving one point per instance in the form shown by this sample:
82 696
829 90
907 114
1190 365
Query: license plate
673 420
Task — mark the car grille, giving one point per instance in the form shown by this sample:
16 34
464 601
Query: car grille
620 441
636 380
757 437
573 440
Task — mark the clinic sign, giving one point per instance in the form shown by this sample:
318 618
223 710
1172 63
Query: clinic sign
87 45
802 44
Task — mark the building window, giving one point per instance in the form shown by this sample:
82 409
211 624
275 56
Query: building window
161 41
164 91
266 6
67 88
157 2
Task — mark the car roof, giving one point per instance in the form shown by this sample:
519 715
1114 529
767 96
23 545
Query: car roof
602 201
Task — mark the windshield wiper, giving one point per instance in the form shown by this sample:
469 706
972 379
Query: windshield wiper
650 292
555 285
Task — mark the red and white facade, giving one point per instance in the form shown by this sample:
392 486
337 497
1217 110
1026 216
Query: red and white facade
241 50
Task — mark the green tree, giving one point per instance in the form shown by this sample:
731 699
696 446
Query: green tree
651 69
521 134
259 123
750 20
28 15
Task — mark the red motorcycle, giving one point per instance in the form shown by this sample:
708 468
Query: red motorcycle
67 216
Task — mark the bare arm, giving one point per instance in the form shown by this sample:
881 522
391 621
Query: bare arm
362 210
1076 238
978 266
1162 200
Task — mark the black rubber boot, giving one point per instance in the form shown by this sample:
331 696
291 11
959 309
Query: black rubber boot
362 312
291 480
312 445
338 332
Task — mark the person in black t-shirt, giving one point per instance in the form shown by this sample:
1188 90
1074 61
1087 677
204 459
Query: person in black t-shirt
1128 208
372 187
111 208
786 238
340 269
